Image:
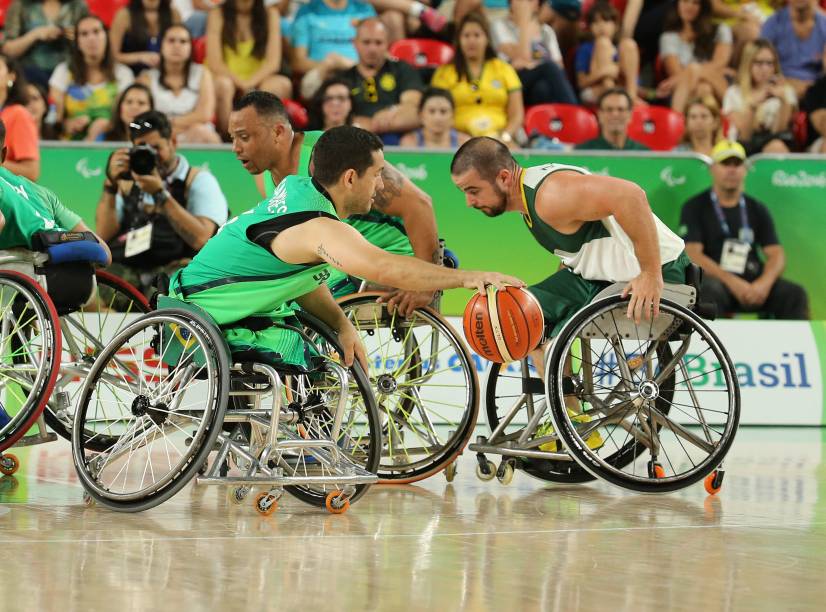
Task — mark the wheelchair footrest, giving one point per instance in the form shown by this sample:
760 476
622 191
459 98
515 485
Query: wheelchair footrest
358 477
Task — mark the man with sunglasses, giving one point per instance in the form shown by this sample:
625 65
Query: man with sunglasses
386 92
401 219
156 210
732 237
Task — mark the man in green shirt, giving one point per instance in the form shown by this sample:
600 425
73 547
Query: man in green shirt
614 113
27 208
401 218
249 274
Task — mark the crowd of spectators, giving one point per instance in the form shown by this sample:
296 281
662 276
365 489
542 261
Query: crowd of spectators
166 72
750 68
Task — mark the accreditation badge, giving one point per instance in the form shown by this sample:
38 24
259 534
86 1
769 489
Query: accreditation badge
138 240
735 256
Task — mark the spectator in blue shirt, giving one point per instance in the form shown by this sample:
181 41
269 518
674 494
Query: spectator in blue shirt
801 59
322 39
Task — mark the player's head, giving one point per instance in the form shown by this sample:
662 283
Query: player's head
485 170
260 130
2 142
347 161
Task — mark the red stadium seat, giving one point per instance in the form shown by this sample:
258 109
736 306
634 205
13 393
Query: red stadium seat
800 129
297 114
570 123
199 50
106 9
422 52
4 5
657 127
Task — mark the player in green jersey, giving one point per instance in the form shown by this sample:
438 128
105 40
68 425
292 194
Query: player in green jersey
27 208
281 251
400 220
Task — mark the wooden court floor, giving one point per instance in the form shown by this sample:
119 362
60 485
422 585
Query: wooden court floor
469 545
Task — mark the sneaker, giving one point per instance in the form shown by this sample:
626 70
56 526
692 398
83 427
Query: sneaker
594 440
433 19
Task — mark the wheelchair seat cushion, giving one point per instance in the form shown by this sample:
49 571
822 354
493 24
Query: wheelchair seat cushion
283 348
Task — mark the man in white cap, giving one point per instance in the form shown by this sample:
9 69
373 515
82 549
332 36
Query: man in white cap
732 237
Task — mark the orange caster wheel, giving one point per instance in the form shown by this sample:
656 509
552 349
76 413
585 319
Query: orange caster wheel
655 470
9 464
266 503
714 482
337 502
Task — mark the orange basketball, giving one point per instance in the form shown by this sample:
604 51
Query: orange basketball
503 325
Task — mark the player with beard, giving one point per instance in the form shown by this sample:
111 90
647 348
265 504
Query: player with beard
400 219
602 228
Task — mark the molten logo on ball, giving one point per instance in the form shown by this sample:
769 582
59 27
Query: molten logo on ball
503 325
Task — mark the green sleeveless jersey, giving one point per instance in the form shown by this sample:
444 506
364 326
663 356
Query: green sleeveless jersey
384 231
29 208
232 277
599 250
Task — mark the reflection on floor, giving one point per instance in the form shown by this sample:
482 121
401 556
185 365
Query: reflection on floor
470 545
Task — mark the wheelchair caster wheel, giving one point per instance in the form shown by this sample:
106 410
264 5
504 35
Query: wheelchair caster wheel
714 482
655 470
337 502
487 471
505 473
9 464
450 472
266 503
237 495
88 500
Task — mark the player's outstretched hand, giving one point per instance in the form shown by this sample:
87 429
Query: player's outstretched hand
405 302
478 280
645 291
352 346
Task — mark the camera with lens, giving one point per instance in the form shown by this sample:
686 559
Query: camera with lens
142 159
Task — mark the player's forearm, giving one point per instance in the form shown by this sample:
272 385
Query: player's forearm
420 224
413 274
321 304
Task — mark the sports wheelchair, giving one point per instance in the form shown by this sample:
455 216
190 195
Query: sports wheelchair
652 407
424 381
165 394
56 313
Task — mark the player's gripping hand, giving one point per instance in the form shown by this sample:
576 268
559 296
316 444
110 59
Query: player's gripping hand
352 346
478 280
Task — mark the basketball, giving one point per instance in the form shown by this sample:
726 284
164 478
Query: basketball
503 325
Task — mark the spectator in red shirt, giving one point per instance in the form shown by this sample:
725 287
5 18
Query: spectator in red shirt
22 141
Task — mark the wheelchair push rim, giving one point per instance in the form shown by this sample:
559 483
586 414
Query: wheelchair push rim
625 382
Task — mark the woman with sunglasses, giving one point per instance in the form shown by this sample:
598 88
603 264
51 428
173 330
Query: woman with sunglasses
182 89
761 103
85 88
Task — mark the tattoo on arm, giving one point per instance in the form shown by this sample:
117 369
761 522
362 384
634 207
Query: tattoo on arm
322 252
393 181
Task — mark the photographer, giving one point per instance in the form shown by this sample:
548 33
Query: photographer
156 211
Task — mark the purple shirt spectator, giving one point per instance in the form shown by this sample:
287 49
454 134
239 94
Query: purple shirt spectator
799 59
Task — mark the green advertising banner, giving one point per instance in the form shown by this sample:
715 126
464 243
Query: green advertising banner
791 188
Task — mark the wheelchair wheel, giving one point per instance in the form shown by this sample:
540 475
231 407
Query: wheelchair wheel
115 304
425 385
29 354
154 399
663 395
516 385
317 394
